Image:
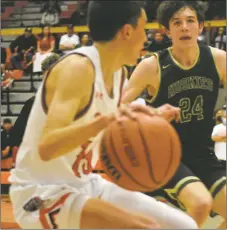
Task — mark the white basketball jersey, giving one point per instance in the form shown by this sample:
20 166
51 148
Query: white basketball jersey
75 166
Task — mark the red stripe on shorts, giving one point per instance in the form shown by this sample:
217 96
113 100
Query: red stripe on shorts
44 211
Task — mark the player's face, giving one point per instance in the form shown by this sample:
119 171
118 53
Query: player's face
184 28
135 41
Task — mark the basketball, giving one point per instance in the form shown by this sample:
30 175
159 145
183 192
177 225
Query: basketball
142 154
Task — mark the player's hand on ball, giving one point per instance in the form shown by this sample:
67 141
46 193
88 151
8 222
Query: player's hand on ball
169 112
129 110
166 111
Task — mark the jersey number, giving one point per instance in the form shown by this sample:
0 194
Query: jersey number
83 161
188 110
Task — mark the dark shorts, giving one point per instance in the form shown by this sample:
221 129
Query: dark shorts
202 166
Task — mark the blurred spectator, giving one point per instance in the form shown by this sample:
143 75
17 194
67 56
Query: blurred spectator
3 59
150 35
6 81
219 135
45 46
79 17
159 42
203 38
69 41
3 56
6 139
51 11
220 40
21 122
84 41
23 49
75 18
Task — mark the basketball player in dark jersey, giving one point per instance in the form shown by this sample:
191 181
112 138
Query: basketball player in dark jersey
188 76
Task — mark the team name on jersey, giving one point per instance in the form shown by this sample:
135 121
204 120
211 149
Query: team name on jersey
190 83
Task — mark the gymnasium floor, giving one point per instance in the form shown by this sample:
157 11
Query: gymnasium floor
8 222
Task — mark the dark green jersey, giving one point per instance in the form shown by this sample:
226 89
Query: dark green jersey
194 90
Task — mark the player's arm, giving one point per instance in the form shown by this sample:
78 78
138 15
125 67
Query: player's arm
219 134
145 74
220 61
75 77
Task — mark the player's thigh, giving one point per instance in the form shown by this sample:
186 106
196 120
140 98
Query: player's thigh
210 170
137 202
179 182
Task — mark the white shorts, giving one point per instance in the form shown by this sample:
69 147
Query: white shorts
64 204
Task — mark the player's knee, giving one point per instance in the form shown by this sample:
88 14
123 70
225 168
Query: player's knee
202 204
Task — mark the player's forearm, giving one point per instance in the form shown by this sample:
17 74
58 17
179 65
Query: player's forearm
219 138
130 95
62 141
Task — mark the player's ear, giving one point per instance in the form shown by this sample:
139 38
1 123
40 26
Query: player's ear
167 32
201 26
126 31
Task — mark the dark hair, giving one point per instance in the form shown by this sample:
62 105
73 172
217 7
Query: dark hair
70 26
167 9
106 18
49 61
7 121
41 36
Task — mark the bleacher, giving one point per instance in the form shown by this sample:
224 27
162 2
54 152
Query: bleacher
23 13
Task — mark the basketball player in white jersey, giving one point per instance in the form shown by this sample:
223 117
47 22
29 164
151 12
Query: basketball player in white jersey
52 183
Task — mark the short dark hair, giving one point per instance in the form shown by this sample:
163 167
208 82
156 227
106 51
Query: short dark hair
7 121
106 18
167 9
70 26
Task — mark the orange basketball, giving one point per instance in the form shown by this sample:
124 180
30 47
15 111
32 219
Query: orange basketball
142 154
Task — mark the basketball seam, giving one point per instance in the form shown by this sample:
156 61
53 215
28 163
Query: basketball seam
147 154
121 165
172 155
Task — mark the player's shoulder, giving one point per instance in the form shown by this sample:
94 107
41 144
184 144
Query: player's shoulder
217 53
219 57
151 62
74 68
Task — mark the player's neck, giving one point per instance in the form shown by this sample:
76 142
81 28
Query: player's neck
110 59
186 57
